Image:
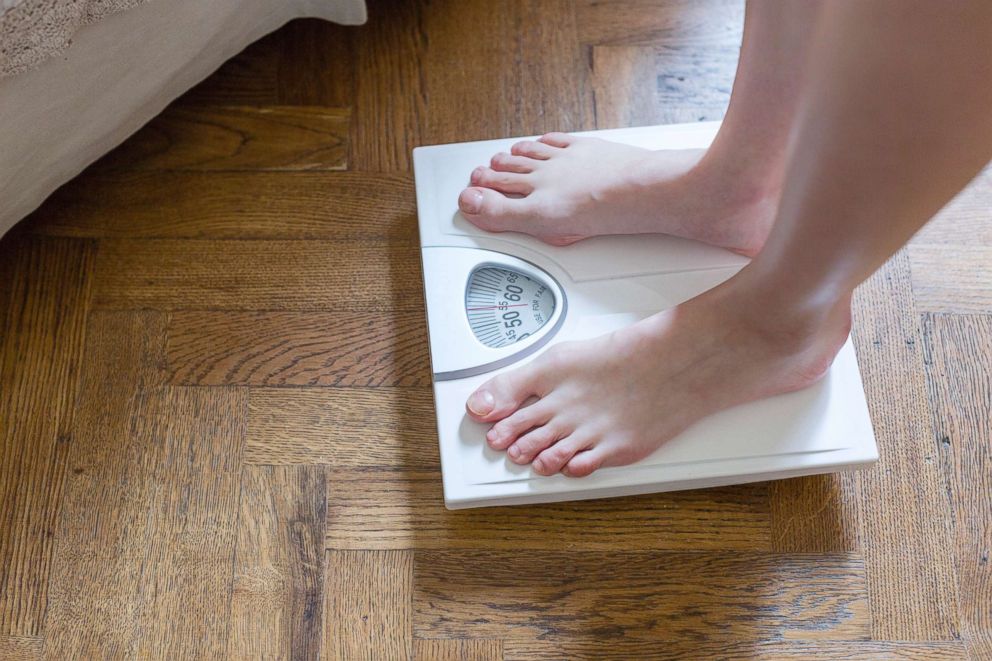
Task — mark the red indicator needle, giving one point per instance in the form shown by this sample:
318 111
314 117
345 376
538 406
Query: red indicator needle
496 307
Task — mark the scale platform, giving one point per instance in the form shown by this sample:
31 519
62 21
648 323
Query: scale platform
496 301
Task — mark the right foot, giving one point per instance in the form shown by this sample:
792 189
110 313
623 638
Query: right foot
613 400
563 188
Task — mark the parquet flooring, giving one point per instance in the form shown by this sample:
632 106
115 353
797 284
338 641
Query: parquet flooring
216 432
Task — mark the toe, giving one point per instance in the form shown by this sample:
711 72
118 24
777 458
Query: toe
509 429
534 442
504 182
504 162
554 458
501 396
532 149
584 463
557 139
489 209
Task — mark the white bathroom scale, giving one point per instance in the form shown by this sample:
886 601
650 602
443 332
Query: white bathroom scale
496 301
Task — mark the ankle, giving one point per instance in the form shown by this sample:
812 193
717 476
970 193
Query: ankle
738 183
744 203
795 323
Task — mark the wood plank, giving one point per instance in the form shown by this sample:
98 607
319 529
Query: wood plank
147 528
257 275
245 138
45 298
343 427
227 205
638 86
815 514
390 106
248 78
674 23
586 596
508 94
458 650
479 94
20 648
965 220
104 532
317 63
952 278
959 379
368 614
554 95
187 567
278 603
387 348
608 649
904 513
400 510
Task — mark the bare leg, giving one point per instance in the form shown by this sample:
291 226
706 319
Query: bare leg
574 187
894 119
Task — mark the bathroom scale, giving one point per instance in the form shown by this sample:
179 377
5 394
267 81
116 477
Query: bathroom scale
498 300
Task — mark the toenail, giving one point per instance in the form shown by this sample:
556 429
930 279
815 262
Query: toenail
481 402
514 451
538 465
472 202
493 435
476 175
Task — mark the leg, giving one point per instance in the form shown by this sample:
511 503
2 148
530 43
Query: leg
893 121
575 187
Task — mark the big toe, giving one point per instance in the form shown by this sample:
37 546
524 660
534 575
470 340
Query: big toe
489 209
501 396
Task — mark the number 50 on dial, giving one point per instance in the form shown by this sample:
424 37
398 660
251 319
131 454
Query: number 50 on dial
505 306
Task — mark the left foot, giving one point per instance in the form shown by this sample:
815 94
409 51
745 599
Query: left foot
613 400
563 188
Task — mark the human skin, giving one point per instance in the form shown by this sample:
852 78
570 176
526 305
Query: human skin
892 116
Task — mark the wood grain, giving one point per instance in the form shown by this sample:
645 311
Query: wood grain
369 611
959 379
515 97
277 606
298 349
815 514
249 78
192 137
458 650
202 436
343 427
583 596
952 278
397 510
148 526
316 63
42 327
554 96
248 465
20 648
390 106
706 649
965 220
904 513
638 86
674 23
227 205
257 275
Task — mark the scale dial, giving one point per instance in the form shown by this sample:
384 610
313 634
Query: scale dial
505 306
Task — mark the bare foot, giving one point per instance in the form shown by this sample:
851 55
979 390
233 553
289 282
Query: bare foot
613 400
563 188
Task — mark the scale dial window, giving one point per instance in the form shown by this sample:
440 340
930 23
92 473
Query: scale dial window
505 306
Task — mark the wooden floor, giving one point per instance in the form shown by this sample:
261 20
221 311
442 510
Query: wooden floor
216 431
